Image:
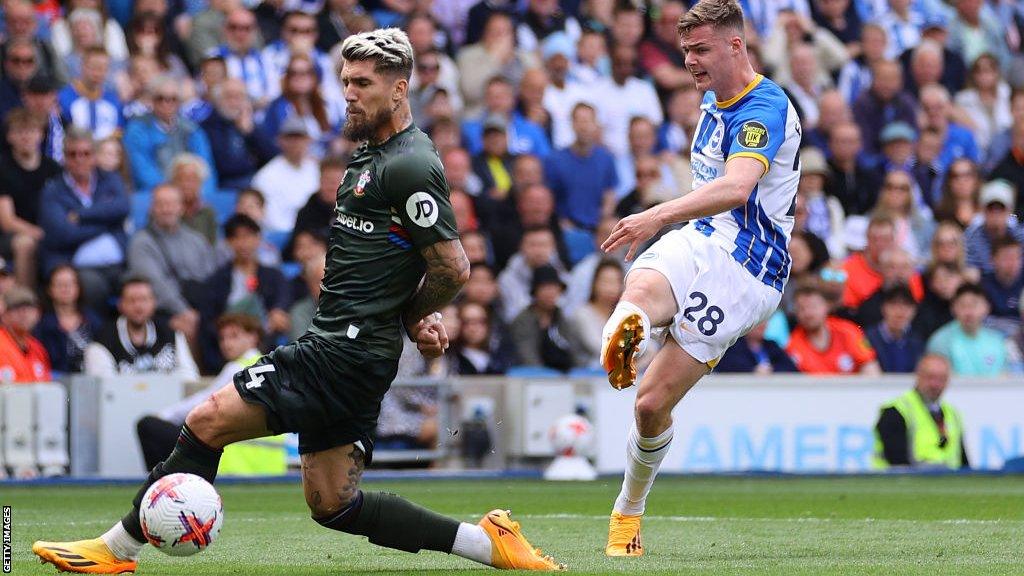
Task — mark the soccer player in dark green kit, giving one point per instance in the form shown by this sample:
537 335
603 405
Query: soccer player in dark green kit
394 260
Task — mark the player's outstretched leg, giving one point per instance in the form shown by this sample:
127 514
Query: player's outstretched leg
331 477
672 373
220 420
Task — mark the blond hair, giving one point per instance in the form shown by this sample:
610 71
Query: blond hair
389 48
718 13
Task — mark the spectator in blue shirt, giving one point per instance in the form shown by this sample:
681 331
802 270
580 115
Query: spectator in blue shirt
153 141
87 102
243 59
524 137
958 142
582 176
82 212
238 145
897 345
1004 283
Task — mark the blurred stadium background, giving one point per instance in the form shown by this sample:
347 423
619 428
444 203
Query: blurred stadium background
209 134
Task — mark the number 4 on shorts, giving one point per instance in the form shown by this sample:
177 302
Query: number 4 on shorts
256 375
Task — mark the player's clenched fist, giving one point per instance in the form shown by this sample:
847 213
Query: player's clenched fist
430 336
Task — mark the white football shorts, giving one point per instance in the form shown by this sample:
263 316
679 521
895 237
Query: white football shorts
717 299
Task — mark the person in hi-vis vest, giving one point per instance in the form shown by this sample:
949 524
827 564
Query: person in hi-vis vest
239 336
918 428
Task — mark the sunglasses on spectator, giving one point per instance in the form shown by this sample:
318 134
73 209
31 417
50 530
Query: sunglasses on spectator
25 60
903 187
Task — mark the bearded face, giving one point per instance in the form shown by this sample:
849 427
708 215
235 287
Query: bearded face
363 125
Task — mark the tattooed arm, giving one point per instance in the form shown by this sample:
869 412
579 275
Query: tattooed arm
447 271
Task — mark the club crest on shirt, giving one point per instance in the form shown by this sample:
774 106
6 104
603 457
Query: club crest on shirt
753 134
364 179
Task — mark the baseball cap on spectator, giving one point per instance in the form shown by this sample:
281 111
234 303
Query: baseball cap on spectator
495 122
897 131
935 20
42 84
18 296
293 126
855 233
997 191
556 44
545 275
812 161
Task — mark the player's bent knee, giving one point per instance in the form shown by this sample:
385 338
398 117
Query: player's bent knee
651 409
321 506
205 420
338 517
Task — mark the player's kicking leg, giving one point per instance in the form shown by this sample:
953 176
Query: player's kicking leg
220 420
648 299
330 480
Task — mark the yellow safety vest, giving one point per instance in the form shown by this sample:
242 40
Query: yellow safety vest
923 435
256 457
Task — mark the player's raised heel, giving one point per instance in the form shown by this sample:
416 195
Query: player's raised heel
510 550
618 356
624 536
84 557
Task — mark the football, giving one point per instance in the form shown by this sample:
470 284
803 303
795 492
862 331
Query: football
571 435
181 514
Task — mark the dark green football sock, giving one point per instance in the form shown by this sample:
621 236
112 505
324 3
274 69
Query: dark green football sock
394 522
190 455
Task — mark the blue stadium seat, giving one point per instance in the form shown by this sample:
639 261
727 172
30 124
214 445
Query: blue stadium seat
223 204
533 372
580 243
140 209
277 237
587 372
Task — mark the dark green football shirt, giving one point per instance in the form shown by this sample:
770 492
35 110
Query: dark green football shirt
392 202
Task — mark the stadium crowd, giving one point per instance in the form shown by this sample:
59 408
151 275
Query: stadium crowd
166 162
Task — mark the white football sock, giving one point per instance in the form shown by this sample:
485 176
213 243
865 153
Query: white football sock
623 309
643 458
472 542
121 542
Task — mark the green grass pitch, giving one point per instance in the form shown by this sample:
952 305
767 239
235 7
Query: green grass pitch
700 525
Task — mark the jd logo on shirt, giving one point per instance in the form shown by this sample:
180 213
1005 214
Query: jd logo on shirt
422 209
753 134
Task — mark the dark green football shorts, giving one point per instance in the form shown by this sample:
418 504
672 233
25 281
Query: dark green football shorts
329 394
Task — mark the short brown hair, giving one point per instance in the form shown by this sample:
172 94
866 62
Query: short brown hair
22 118
809 288
718 13
247 322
